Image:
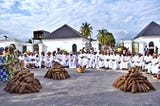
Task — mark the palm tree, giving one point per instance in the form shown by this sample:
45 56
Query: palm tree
86 30
110 39
102 36
106 38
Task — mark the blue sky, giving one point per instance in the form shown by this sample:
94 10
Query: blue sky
124 18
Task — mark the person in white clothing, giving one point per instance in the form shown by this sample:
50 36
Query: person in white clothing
139 62
37 61
93 60
42 60
32 60
111 60
125 62
81 58
106 60
101 60
65 58
147 61
116 60
26 61
21 61
53 56
49 60
72 61
152 68
59 57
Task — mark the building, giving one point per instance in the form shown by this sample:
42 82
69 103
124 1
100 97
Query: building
65 38
149 38
20 45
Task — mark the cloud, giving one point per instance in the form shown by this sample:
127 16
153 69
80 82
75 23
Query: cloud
124 18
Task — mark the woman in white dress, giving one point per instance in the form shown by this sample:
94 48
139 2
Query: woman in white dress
139 62
42 60
26 61
49 60
72 61
37 61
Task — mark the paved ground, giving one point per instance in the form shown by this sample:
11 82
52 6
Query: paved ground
92 88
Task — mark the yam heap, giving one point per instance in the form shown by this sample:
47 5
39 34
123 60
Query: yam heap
133 82
23 81
81 69
57 72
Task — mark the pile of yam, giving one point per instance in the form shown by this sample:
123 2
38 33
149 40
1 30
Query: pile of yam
23 81
133 82
81 69
57 72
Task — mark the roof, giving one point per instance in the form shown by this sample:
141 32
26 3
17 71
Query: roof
152 29
64 32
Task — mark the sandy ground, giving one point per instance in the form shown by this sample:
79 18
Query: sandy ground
92 88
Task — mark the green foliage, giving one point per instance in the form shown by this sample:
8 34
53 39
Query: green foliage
102 36
110 39
106 38
86 29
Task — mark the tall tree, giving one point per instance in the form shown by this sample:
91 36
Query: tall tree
101 36
106 38
86 29
110 39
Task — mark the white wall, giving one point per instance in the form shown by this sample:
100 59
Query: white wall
145 41
19 44
29 47
95 45
128 44
53 44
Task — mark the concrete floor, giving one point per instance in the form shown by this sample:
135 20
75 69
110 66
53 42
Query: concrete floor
92 88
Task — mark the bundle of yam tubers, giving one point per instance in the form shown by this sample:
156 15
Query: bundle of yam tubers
134 82
57 72
23 81
81 69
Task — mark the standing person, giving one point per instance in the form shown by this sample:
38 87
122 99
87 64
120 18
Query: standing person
3 70
11 61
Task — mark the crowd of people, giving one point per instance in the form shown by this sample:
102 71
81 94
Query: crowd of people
91 59
88 58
